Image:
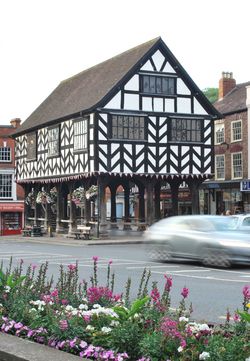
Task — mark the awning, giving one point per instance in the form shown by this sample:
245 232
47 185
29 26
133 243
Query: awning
11 207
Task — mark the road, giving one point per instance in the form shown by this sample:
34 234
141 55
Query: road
212 290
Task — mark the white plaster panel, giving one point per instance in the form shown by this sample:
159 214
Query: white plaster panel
115 102
208 171
195 170
184 105
184 149
131 101
168 68
114 147
147 66
133 83
161 120
208 142
101 136
151 159
161 150
139 160
115 158
126 169
207 122
151 129
150 170
162 130
91 150
104 148
138 148
206 151
198 109
208 160
158 59
129 148
197 150
101 168
91 134
163 169
172 170
196 160
169 105
174 160
147 103
141 169
158 104
184 160
92 168
186 170
182 88
104 117
91 119
174 149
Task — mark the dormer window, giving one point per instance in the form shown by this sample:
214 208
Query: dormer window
163 85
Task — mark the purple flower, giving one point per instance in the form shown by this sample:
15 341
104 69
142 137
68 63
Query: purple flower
185 292
18 325
72 267
63 325
95 258
246 292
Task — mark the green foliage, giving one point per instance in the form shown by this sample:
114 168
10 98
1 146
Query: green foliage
136 307
212 94
229 348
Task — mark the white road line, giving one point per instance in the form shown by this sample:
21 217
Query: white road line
201 277
149 267
192 270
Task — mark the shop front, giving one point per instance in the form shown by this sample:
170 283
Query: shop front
11 218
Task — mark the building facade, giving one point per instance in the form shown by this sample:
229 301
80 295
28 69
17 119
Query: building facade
11 194
231 188
137 121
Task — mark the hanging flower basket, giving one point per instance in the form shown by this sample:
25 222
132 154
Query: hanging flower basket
91 192
53 194
43 198
78 195
30 199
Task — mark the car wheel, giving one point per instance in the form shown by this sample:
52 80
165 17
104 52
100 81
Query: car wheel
160 253
215 257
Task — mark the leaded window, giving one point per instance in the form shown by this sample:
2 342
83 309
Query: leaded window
236 131
220 167
31 146
128 127
5 154
54 141
158 84
81 134
237 170
5 185
186 130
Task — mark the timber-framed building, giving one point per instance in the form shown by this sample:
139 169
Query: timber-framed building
136 120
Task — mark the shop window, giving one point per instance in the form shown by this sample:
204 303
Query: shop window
5 185
54 141
220 167
80 134
219 133
31 146
186 130
236 131
237 170
5 154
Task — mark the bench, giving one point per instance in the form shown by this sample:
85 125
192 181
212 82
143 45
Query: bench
26 232
82 232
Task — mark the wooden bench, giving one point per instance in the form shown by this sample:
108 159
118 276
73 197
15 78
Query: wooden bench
26 232
82 232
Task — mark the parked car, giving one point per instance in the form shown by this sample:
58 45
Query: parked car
242 222
211 240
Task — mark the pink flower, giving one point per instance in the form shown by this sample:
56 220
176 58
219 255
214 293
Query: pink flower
168 283
87 318
95 258
183 343
71 267
185 292
236 317
64 302
63 325
34 266
246 292
110 261
54 293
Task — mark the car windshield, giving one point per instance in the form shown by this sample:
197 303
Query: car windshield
225 223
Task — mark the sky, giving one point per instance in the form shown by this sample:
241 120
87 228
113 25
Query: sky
43 42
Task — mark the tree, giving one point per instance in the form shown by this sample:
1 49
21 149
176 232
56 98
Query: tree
212 94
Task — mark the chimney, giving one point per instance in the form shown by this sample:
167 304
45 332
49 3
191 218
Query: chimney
15 122
226 84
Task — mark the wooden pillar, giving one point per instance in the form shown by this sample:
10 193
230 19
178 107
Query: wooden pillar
193 185
174 186
113 218
126 225
157 200
141 204
102 214
150 202
59 200
72 210
35 207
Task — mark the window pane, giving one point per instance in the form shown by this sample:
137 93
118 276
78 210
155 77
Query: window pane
158 85
146 83
152 84
81 134
130 127
31 146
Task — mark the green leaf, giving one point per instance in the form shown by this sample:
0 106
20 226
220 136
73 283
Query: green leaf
137 305
244 315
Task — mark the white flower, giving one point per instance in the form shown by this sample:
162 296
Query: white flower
69 308
96 305
204 355
114 323
90 328
136 316
82 307
183 319
7 289
180 349
203 327
106 329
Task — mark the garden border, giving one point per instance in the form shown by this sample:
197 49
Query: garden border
13 348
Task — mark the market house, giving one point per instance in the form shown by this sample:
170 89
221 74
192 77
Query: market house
136 121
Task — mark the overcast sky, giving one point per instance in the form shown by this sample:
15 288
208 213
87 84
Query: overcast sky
46 41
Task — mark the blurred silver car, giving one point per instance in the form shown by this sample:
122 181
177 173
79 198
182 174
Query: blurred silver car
211 240
242 222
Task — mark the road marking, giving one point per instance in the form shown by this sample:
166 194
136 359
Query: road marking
192 270
149 267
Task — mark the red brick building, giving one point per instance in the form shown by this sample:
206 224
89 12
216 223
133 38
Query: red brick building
11 194
231 186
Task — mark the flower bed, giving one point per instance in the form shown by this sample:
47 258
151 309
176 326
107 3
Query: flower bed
90 320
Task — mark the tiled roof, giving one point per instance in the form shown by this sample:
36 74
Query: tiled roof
234 101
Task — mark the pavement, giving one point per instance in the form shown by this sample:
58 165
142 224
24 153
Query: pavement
113 237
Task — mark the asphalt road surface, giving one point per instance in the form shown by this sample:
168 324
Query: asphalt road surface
212 291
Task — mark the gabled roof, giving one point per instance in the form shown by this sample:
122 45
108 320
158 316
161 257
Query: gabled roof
91 88
234 101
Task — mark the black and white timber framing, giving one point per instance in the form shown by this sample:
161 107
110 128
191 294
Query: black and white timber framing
146 122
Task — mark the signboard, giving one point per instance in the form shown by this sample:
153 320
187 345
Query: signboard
245 186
